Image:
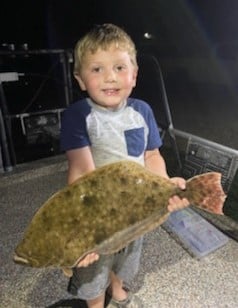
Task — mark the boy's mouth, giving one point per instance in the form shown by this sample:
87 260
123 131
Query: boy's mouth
110 92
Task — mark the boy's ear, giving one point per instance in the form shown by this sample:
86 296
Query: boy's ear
80 82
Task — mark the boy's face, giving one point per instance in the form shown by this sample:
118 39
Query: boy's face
108 76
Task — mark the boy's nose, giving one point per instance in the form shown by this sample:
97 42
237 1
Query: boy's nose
110 76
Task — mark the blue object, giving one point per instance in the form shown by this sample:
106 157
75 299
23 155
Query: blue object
195 233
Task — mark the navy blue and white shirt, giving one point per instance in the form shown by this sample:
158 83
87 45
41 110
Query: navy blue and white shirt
113 135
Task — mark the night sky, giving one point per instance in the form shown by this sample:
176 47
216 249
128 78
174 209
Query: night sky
58 24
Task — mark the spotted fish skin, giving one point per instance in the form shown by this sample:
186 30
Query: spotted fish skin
105 210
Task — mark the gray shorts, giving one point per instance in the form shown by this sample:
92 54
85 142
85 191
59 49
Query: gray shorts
92 281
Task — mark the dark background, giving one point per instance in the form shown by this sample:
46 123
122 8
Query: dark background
183 24
195 42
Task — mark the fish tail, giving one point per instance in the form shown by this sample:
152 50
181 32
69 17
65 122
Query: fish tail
205 191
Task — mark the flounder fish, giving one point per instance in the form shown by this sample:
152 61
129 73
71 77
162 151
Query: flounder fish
105 210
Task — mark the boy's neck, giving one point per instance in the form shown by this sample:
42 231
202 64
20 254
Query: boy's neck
114 109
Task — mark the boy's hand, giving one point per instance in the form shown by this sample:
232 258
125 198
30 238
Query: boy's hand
88 259
175 202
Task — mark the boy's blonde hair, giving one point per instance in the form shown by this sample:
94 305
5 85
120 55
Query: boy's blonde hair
102 37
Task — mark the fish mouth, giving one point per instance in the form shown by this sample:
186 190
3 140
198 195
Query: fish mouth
20 260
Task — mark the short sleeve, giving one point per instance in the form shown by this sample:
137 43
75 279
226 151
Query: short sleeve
73 126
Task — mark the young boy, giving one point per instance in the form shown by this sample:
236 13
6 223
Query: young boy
109 126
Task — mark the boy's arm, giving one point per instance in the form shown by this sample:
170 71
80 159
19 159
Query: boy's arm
156 164
80 161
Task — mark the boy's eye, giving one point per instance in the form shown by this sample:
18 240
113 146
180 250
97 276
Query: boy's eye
96 69
120 67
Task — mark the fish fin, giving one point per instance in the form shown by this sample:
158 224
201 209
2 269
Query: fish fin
206 192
